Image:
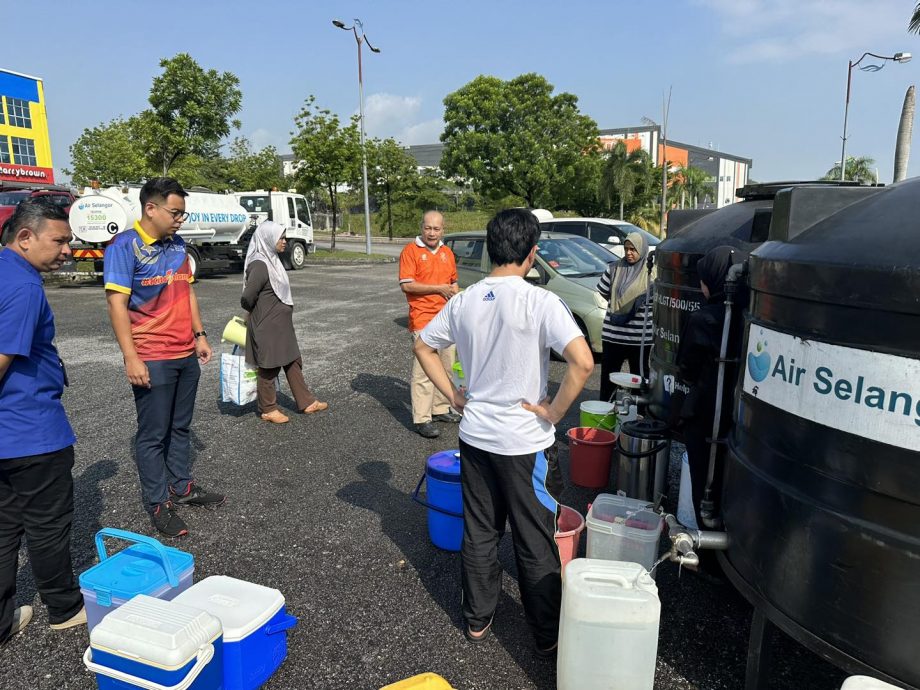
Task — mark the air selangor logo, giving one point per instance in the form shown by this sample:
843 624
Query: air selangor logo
759 364
872 394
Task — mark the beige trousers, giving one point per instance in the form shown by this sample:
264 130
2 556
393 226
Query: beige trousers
426 399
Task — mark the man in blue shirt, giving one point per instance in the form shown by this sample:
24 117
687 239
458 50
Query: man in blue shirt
36 440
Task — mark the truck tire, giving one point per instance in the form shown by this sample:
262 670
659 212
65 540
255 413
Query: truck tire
298 255
194 260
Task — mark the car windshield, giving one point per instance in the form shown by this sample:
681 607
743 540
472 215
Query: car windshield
12 198
649 237
576 257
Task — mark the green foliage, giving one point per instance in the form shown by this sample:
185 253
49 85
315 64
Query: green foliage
330 155
693 186
392 175
109 153
191 111
516 137
859 169
248 169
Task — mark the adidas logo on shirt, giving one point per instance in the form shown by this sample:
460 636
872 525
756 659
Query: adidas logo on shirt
490 297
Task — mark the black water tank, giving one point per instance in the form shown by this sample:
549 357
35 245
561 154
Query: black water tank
821 491
691 234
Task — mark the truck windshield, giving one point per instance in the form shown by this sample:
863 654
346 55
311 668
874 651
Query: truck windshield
12 198
256 204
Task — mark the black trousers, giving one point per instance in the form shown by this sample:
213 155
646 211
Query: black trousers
612 358
524 490
36 500
162 447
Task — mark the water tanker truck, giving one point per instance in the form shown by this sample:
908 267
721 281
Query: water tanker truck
216 232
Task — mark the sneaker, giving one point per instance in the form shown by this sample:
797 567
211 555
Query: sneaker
21 618
427 430
167 520
197 496
449 417
79 618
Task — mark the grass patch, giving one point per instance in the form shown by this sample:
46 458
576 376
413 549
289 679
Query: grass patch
321 255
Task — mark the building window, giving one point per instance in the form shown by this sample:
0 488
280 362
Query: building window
5 151
23 151
2 117
18 110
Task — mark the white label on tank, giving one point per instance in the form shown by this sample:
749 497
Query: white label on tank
869 394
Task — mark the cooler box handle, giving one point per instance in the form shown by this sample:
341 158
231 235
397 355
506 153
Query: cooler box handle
422 501
284 624
205 654
158 548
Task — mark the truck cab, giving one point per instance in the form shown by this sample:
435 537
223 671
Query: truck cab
285 208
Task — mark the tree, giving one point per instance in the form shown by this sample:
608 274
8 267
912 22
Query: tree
693 184
330 154
248 169
392 175
516 137
914 26
905 131
859 169
190 113
621 175
110 153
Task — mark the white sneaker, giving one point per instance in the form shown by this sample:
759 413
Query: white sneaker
21 618
79 618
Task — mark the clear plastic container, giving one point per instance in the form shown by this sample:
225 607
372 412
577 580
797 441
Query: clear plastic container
623 529
608 631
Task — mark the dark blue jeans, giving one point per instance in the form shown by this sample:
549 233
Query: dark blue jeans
36 501
164 416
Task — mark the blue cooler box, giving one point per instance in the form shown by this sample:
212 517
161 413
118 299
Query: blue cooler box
156 645
147 567
254 620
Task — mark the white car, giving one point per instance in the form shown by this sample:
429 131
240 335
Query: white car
607 232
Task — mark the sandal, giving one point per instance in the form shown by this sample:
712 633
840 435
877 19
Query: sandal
547 653
316 406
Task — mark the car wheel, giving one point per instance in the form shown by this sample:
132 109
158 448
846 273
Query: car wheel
298 255
194 260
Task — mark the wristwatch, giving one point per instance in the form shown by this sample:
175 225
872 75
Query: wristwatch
200 334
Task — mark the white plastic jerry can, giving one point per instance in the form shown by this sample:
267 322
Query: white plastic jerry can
608 632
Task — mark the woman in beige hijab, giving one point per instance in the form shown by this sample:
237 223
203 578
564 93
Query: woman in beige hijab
628 324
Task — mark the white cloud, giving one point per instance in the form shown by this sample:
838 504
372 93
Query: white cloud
389 115
782 30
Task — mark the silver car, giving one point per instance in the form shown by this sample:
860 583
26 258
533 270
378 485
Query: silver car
566 265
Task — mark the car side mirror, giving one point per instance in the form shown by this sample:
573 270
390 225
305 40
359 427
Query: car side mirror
613 239
533 276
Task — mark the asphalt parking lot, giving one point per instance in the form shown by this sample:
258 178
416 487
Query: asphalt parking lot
320 509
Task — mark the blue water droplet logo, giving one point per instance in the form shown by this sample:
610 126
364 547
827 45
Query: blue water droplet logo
759 365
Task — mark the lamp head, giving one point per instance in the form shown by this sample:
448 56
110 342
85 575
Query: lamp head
902 57
338 23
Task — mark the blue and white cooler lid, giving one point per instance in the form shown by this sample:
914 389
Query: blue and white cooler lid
242 607
161 633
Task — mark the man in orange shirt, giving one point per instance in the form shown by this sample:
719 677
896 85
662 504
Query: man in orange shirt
428 277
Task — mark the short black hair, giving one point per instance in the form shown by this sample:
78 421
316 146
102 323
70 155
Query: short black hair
510 236
160 188
32 212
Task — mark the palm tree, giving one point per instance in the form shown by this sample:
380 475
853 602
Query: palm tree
905 130
695 183
618 182
859 169
914 26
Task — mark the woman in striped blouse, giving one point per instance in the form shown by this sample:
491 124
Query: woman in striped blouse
628 325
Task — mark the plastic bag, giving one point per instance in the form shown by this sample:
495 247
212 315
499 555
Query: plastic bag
237 379
686 515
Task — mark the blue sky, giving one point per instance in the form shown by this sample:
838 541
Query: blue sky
764 79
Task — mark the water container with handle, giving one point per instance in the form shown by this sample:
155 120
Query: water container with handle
642 455
445 499
608 631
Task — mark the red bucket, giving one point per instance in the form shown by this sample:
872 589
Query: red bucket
569 527
590 453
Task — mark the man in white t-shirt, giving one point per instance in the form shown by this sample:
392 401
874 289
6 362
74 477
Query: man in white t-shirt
504 330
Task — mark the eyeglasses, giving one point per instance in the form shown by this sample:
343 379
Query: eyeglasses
176 214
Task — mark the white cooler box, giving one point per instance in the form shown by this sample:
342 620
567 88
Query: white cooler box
254 621
156 645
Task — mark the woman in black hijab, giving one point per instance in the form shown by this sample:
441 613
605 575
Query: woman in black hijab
698 366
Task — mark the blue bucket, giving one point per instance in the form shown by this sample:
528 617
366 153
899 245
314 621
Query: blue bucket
445 499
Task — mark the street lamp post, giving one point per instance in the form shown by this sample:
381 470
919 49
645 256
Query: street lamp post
897 57
358 30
